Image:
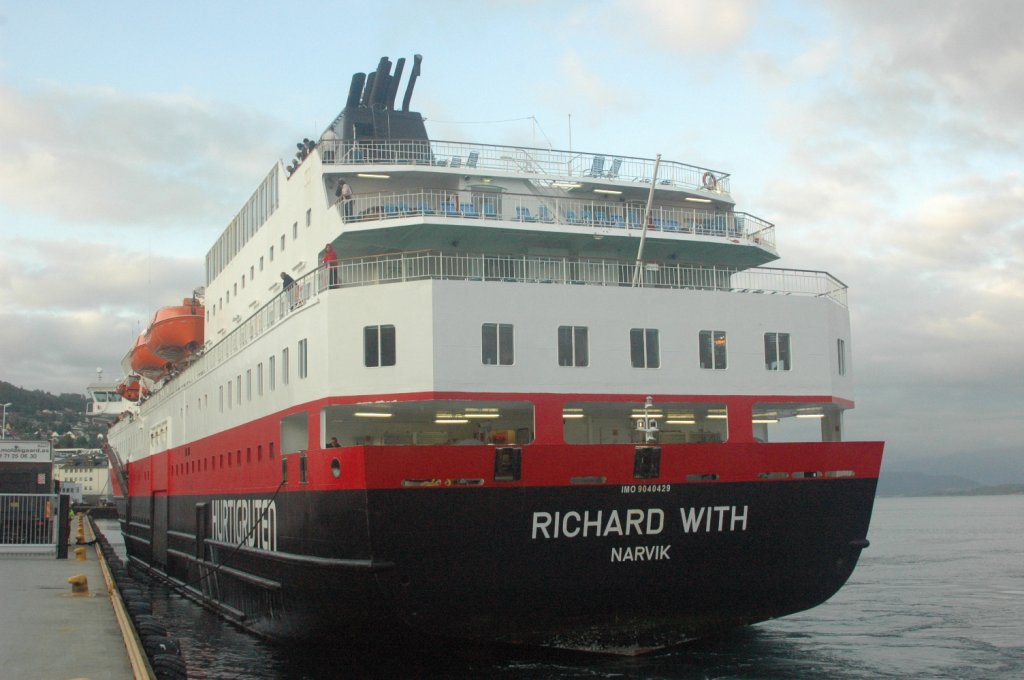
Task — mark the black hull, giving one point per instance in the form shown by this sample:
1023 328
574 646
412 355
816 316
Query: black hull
495 565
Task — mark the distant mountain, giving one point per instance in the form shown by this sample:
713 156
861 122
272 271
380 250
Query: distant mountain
899 483
34 414
986 468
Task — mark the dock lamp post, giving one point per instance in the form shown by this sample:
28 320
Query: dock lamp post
3 429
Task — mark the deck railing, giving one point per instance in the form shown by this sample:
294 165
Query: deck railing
545 163
604 217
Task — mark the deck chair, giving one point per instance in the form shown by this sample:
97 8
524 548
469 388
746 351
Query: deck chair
472 159
469 210
456 162
597 166
613 171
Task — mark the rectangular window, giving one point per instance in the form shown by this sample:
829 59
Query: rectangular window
295 230
309 216
259 379
252 273
271 253
284 366
248 384
841 355
229 394
221 399
644 351
261 263
498 344
303 358
282 243
776 351
712 349
238 388
272 372
573 346
379 346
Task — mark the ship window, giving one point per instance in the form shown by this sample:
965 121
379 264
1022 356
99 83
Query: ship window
229 394
303 358
712 349
248 384
379 346
261 263
498 344
573 346
271 253
235 286
259 379
796 422
430 423
309 216
841 356
303 470
284 366
243 281
776 351
272 372
294 432
252 272
604 422
644 351
295 230
284 470
238 389
282 243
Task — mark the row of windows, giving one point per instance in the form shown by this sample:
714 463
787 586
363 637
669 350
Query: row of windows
233 388
232 459
219 304
497 342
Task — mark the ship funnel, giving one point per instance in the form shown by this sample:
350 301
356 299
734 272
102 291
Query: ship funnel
413 75
355 89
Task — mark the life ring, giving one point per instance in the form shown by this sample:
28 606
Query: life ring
709 181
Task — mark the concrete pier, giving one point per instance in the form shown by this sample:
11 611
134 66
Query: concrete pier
49 633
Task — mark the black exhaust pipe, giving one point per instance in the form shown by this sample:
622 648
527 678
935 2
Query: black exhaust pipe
389 102
380 83
354 90
413 75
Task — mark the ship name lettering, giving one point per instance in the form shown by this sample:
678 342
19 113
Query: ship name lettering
712 518
247 521
640 553
598 523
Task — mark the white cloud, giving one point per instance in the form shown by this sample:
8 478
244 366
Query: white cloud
100 156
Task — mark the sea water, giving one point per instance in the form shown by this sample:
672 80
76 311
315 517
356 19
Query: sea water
938 594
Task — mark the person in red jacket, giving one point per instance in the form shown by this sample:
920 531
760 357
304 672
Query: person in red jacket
331 264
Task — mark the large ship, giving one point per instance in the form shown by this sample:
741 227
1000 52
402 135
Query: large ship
499 394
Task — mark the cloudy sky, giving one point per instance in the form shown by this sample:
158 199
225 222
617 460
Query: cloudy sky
884 139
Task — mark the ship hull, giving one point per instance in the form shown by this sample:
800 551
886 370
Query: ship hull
624 569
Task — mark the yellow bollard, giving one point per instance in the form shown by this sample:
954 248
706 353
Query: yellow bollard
80 555
79 584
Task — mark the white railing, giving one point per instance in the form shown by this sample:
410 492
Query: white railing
599 215
550 163
28 521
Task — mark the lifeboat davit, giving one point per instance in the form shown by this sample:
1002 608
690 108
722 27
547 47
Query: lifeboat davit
143 361
177 332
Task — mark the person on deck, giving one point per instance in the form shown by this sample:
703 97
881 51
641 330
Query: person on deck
331 265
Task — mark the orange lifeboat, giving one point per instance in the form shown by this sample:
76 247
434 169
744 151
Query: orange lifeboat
177 332
131 388
144 362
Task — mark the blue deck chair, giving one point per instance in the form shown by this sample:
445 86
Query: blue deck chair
601 218
390 210
618 222
523 215
571 218
404 209
456 162
545 215
490 211
613 171
588 217
469 210
449 210
425 208
597 166
472 159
